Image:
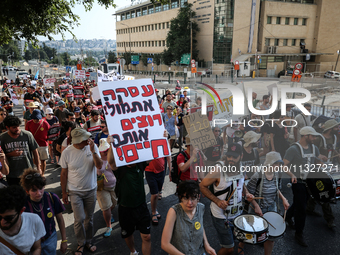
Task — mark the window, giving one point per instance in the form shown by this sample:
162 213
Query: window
139 29
296 21
293 42
159 26
182 3
163 43
145 11
142 44
174 4
148 27
167 25
142 28
149 44
165 7
269 20
160 43
138 13
133 14
163 25
128 15
152 27
155 43
134 30
150 9
304 22
287 21
276 42
278 20
122 17
267 42
155 26
285 42
158 8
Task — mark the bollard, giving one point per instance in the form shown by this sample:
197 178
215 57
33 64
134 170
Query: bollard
216 78
201 78
185 78
232 75
169 78
154 78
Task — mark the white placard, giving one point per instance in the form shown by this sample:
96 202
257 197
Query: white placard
49 82
134 121
95 93
79 74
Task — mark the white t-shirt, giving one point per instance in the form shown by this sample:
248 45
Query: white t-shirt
82 173
32 229
64 144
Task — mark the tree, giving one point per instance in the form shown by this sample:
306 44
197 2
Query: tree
90 61
112 57
167 57
144 59
10 49
157 59
127 57
178 38
28 55
26 20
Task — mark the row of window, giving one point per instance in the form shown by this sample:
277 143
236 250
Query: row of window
284 42
152 9
287 21
145 28
142 44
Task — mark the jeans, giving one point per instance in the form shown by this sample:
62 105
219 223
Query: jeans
298 208
83 204
49 247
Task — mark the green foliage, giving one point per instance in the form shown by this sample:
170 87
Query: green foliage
127 57
157 59
112 57
66 57
26 20
10 49
144 59
90 61
179 36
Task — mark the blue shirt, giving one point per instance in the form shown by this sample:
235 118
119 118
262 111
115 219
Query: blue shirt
96 140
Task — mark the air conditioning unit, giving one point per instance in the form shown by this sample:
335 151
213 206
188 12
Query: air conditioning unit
274 49
270 50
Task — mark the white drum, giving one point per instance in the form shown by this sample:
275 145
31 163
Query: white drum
277 221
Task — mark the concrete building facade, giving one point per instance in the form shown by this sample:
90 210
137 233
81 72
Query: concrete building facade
276 33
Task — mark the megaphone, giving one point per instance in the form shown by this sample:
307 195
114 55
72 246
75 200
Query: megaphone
238 134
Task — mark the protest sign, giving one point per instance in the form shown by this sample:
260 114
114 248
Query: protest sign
49 82
78 91
200 133
95 93
54 132
14 98
24 76
134 121
27 102
63 87
79 74
210 111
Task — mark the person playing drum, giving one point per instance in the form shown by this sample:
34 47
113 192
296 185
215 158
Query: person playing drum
301 156
227 181
265 184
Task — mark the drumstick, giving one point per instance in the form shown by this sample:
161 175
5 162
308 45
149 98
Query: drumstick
258 198
267 220
232 193
284 216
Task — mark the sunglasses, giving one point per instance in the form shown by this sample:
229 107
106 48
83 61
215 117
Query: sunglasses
169 109
3 114
216 130
30 176
102 126
8 218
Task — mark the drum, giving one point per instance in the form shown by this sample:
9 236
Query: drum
277 221
321 185
251 229
336 176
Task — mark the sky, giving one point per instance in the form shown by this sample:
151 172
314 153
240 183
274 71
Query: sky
95 24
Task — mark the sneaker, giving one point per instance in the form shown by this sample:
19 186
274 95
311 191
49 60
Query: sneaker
134 253
290 223
108 232
112 219
299 238
313 213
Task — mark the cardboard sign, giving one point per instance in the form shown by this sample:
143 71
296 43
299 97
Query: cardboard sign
54 132
200 133
78 92
210 111
63 87
134 121
79 74
49 82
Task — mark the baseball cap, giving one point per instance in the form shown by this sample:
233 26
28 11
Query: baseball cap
308 131
234 150
76 109
181 96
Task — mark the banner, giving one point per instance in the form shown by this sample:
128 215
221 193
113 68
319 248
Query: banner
49 82
14 97
200 132
134 121
79 74
105 77
54 132
78 91
63 87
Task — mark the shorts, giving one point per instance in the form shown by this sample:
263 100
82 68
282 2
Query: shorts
173 137
43 153
224 232
106 198
134 218
155 181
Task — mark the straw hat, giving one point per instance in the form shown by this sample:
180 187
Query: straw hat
251 137
330 124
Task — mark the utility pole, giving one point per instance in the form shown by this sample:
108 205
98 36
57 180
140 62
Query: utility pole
337 59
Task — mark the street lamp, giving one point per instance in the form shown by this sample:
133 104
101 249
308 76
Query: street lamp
337 59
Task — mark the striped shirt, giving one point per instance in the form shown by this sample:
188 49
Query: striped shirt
269 190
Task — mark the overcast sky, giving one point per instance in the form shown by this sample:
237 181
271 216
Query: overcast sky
95 24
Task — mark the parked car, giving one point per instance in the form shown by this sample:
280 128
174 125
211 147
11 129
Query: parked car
332 75
11 68
285 73
21 75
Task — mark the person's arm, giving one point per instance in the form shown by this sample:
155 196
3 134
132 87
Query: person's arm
63 182
183 167
167 234
246 193
4 163
61 224
58 148
284 201
37 159
210 179
36 248
287 171
110 157
98 162
207 246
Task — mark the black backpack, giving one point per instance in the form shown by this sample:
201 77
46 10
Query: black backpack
175 172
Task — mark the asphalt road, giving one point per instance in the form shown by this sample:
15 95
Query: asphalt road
320 239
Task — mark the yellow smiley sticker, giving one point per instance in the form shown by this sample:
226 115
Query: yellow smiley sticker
249 236
197 225
50 215
42 129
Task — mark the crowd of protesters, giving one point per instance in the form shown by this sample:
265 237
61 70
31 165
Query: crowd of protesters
72 134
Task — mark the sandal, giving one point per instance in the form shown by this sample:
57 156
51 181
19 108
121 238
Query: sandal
78 249
89 247
160 195
154 220
158 215
240 252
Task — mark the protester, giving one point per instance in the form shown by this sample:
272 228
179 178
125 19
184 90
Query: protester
102 134
70 117
302 121
46 99
18 229
185 107
214 153
251 157
183 232
79 162
106 197
181 100
18 146
3 114
278 135
80 118
34 185
7 103
93 125
168 102
61 112
31 107
170 122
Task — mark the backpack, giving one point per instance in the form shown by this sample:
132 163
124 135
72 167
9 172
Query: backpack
175 173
